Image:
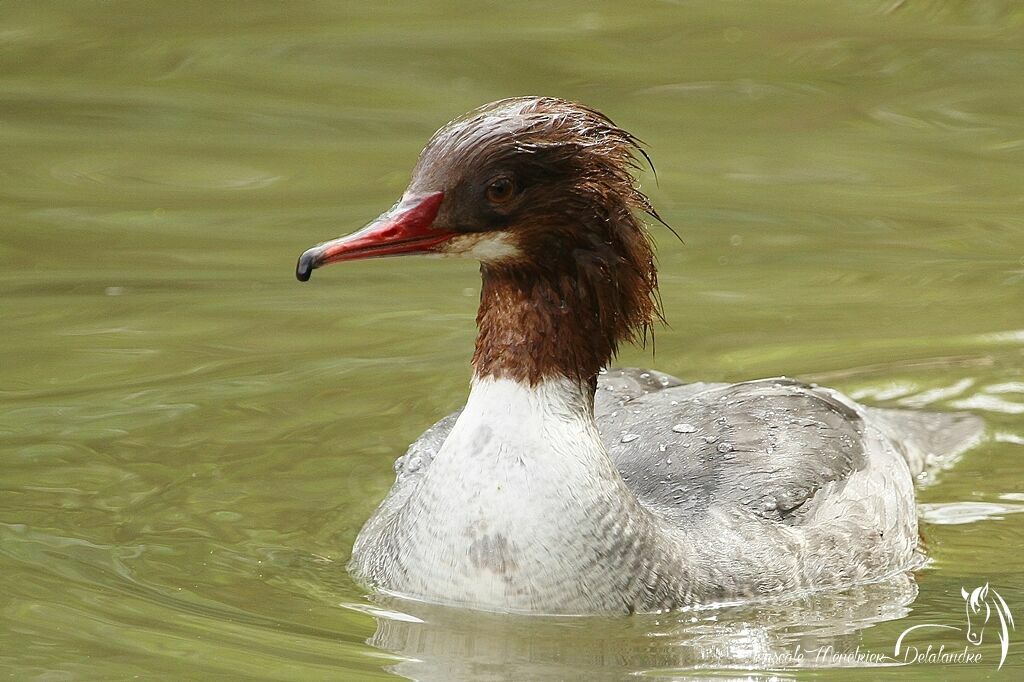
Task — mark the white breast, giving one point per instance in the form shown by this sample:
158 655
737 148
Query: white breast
506 513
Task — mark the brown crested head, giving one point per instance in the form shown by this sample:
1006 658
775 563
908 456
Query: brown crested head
541 191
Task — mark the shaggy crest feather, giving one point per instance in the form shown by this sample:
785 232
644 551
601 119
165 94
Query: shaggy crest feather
587 281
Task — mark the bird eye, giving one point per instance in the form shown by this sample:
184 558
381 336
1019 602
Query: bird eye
500 190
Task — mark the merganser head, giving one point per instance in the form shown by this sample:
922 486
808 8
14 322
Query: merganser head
541 192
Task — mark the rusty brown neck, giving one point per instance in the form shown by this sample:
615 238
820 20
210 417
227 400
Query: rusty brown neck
537 324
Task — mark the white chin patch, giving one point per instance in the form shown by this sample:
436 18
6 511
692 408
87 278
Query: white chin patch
486 247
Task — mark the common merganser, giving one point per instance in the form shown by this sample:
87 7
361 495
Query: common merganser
562 488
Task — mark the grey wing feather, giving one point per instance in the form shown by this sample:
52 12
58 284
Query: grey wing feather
767 446
421 453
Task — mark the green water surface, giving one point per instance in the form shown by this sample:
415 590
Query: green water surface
190 439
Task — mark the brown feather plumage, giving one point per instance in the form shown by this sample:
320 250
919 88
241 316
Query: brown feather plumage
587 279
